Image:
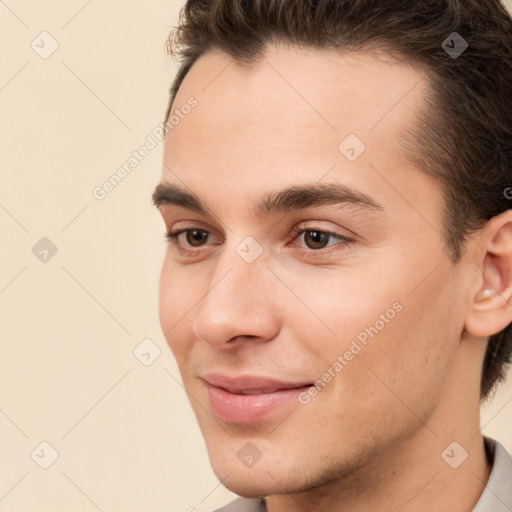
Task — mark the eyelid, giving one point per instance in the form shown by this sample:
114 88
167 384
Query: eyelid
342 244
173 234
301 229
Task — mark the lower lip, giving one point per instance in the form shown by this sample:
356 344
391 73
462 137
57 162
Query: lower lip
250 408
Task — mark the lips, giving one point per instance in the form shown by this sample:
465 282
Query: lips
248 399
250 383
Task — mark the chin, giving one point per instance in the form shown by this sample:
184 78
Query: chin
266 478
248 489
257 485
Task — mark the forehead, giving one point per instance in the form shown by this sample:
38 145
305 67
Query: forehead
321 90
286 116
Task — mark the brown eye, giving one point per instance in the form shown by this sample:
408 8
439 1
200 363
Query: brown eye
315 242
316 239
196 237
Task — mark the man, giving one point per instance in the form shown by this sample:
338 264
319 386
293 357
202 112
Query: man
337 284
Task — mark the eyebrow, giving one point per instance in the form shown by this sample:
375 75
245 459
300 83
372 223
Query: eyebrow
283 201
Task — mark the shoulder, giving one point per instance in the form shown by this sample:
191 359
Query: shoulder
243 505
497 495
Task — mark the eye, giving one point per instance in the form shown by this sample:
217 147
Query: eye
188 241
316 239
194 237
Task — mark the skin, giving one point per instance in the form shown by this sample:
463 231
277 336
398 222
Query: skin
373 437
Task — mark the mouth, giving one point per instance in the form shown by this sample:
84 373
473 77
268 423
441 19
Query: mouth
249 399
254 391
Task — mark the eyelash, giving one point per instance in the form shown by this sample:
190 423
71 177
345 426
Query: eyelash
172 236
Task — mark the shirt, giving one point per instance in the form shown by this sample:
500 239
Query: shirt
496 497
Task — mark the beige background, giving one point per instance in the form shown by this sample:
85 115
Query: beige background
124 432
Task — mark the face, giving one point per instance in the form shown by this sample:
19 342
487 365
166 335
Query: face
306 296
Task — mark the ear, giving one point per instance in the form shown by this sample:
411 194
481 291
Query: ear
490 309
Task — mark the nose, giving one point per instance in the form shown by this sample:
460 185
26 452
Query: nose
238 305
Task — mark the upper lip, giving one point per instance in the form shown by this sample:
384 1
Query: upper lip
250 383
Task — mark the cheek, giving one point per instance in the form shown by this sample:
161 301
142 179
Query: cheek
176 303
392 340
166 299
407 363
342 308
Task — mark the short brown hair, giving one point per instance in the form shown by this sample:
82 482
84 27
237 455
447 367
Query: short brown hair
464 134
